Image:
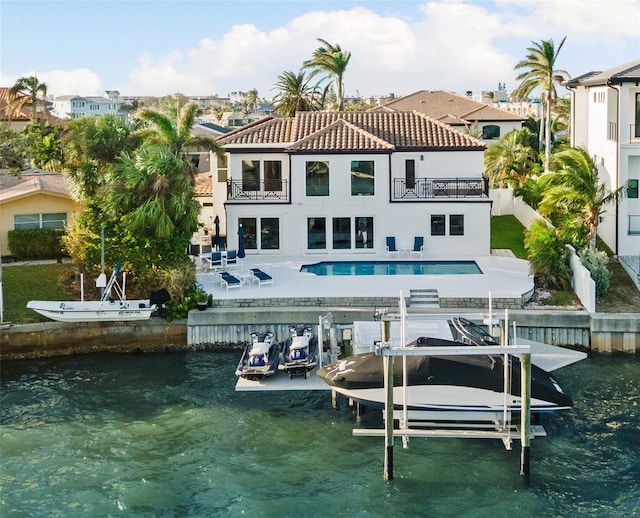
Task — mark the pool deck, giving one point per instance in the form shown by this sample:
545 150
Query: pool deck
502 276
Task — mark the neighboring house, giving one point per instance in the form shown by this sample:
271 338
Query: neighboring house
75 106
336 183
34 199
459 112
605 119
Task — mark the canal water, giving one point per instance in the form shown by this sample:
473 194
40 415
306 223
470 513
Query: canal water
167 435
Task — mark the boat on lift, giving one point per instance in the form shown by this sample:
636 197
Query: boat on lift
455 387
300 352
113 306
260 358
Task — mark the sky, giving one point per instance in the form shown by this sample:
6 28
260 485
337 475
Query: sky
215 47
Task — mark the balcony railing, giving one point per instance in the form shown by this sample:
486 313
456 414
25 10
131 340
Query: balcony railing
263 190
634 225
430 188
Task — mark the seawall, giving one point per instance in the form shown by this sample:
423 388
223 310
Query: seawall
225 327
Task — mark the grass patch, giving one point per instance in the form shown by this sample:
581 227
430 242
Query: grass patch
22 283
508 232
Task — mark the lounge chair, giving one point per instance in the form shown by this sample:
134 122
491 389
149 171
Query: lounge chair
229 280
214 262
418 248
391 248
262 277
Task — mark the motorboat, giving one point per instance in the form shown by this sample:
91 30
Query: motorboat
260 358
300 352
451 385
113 306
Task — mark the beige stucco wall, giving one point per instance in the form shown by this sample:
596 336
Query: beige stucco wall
40 203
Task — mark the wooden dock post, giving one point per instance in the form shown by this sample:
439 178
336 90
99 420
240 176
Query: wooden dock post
387 361
525 413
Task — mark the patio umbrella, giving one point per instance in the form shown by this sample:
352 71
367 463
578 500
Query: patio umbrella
216 236
241 253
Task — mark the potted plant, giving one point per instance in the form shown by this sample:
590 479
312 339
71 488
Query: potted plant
202 299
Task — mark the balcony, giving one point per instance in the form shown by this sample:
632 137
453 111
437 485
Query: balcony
271 190
439 188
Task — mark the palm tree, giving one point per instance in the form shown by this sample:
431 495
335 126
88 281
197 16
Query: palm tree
574 188
539 72
92 145
333 61
27 91
295 94
509 161
151 193
173 128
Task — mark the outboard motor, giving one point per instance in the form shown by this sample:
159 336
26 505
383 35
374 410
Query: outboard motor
160 298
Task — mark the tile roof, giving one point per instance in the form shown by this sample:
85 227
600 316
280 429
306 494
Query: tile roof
33 181
204 184
440 104
629 72
380 131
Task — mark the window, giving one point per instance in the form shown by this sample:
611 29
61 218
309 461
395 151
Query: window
410 174
490 132
362 178
222 168
316 234
437 225
364 237
341 233
269 233
632 189
317 179
272 175
249 226
456 225
250 175
55 220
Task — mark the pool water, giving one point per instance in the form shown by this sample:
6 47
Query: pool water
392 268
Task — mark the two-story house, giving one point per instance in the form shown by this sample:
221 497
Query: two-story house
461 112
605 119
339 183
76 106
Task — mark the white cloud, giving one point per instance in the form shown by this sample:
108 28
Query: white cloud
80 81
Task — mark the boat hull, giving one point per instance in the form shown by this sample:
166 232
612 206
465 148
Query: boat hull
93 311
444 383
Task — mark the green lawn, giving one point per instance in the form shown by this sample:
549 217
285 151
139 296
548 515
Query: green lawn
31 282
508 232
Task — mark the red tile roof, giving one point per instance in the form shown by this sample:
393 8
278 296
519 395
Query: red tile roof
376 131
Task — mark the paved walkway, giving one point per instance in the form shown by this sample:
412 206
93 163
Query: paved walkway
506 277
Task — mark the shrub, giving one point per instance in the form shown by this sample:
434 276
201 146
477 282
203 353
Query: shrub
36 243
548 256
596 262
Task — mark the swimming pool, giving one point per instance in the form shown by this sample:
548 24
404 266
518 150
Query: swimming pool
392 268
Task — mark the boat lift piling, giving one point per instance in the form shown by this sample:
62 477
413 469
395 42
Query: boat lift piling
388 353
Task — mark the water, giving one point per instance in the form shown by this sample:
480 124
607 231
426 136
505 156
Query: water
167 435
392 268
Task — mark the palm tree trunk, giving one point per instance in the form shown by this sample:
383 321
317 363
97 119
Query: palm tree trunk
547 134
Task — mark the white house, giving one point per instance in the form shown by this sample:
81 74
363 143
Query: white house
339 183
75 106
605 119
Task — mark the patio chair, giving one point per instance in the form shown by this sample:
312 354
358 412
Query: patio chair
391 248
232 257
263 277
229 280
418 248
214 262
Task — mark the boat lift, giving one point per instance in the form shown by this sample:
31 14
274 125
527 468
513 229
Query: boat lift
500 430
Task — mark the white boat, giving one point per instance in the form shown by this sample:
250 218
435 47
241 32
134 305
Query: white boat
107 309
